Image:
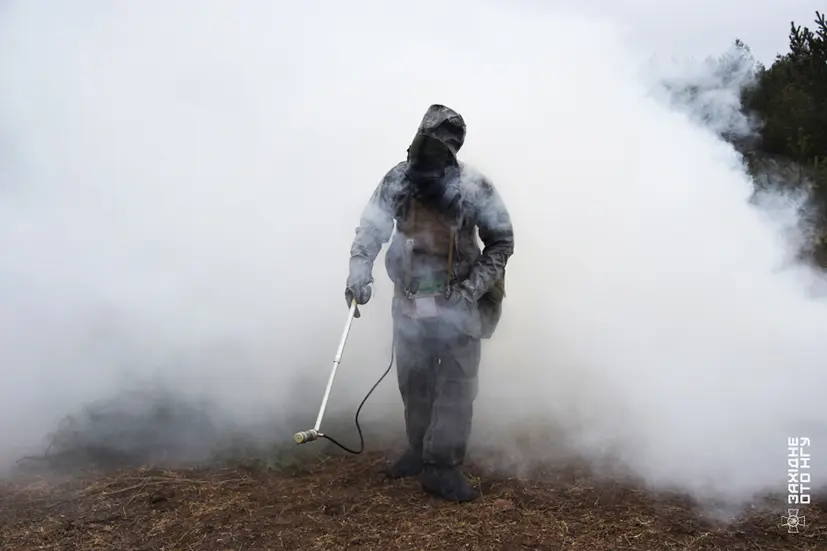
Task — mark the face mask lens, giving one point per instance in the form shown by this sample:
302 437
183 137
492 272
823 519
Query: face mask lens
428 152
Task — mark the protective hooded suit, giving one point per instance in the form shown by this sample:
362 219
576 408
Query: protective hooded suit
447 292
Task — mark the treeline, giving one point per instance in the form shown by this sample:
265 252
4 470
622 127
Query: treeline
787 103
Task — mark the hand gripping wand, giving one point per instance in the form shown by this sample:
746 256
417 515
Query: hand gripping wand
314 434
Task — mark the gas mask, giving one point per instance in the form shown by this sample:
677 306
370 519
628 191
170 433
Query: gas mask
433 170
428 156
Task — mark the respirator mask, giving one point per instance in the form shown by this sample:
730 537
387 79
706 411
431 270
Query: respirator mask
433 170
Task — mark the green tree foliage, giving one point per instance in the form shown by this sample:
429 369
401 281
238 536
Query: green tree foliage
789 101
790 97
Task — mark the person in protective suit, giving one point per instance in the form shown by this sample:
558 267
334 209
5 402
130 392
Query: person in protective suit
447 292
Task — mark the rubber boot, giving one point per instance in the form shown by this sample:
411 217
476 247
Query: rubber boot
448 483
408 464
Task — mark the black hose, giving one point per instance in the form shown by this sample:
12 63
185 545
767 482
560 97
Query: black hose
359 409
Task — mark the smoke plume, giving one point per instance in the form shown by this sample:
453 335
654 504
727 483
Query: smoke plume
180 187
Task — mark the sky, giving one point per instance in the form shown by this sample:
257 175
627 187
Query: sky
701 27
180 187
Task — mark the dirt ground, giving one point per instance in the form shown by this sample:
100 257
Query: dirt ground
346 503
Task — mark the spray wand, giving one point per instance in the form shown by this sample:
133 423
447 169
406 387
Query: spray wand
315 433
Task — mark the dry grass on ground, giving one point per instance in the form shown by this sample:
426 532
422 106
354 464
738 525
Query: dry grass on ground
346 503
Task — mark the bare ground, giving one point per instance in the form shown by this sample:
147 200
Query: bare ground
346 503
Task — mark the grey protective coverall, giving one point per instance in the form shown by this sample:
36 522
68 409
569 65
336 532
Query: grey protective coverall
438 204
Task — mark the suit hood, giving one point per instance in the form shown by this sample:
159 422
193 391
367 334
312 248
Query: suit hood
441 133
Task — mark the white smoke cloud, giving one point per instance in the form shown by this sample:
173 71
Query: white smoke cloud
181 187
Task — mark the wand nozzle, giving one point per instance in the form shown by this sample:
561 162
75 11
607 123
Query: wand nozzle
306 436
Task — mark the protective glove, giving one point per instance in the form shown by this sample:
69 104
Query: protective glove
358 285
461 296
462 311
